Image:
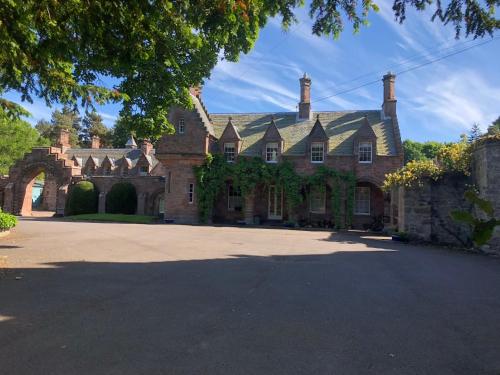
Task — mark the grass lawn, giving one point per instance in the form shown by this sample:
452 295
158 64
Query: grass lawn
115 218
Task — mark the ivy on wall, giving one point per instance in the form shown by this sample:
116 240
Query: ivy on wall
247 173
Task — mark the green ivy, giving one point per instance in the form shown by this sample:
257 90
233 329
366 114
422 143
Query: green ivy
247 173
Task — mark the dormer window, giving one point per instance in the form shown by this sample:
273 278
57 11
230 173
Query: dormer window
365 152
107 171
143 170
229 152
181 125
317 152
272 152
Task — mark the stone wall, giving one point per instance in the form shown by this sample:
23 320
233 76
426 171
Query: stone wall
424 211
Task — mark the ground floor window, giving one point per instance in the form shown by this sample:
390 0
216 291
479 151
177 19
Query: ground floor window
234 200
362 200
318 201
275 202
191 193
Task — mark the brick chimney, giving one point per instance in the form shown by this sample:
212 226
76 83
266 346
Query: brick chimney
389 105
146 146
305 98
63 140
96 142
196 90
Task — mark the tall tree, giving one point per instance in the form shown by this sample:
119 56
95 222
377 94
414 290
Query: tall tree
155 50
92 125
474 133
67 119
494 128
121 133
16 138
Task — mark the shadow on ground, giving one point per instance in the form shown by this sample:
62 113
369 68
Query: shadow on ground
380 312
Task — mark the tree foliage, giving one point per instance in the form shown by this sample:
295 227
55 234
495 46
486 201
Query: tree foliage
155 50
417 151
92 125
120 133
474 133
482 229
451 158
494 128
67 119
16 138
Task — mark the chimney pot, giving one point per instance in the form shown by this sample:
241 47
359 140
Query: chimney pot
389 104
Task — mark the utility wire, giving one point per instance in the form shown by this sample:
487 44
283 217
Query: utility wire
408 70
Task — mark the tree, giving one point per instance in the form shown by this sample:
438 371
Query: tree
417 151
494 128
92 125
474 133
17 137
155 50
120 133
67 119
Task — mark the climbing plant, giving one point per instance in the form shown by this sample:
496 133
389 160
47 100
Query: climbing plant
247 173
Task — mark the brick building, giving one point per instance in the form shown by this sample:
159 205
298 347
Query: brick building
365 142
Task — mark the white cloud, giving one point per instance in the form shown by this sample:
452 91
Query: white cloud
453 101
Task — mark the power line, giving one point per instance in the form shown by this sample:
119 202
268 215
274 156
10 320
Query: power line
407 70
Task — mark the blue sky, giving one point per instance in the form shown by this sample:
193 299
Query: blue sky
439 101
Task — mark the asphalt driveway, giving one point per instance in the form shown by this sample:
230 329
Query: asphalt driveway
88 298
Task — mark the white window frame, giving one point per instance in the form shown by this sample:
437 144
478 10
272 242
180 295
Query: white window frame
366 190
322 209
234 196
270 157
229 155
191 193
181 126
363 152
316 153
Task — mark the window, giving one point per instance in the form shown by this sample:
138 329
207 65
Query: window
362 201
181 126
365 152
229 151
317 204
272 152
143 170
107 171
191 193
317 152
234 200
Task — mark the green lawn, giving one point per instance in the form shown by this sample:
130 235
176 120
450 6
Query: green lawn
115 218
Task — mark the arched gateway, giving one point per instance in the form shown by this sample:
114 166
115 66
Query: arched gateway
58 174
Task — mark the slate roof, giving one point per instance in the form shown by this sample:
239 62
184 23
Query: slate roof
114 154
340 128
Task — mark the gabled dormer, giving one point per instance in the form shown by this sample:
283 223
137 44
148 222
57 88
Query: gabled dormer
317 142
107 166
123 166
91 166
230 142
272 143
365 143
144 165
78 162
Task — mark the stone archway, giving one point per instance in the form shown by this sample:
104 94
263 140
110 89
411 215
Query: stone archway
58 171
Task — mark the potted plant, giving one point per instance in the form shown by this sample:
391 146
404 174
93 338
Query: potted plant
7 221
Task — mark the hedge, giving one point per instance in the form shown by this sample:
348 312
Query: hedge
83 199
7 221
121 199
